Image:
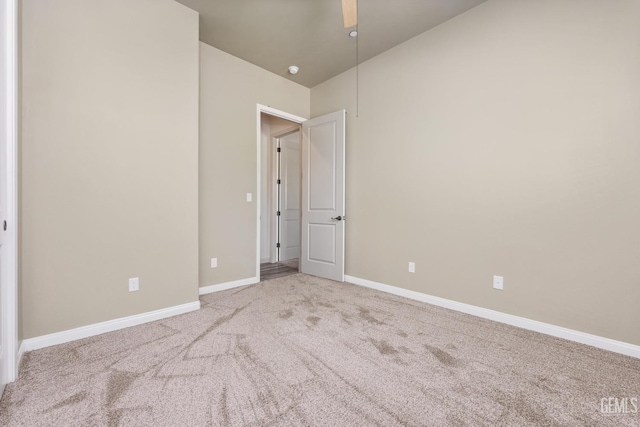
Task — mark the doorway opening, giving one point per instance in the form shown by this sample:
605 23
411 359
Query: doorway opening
282 256
320 239
280 156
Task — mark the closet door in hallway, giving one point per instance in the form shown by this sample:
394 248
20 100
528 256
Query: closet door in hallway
289 196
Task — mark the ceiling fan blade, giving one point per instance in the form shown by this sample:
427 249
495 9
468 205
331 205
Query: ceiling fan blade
350 13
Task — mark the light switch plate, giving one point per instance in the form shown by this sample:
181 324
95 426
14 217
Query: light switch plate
412 267
249 197
498 282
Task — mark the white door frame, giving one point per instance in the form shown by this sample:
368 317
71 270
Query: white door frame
274 232
283 115
8 280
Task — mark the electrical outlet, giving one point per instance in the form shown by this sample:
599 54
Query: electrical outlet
134 284
498 282
214 262
412 267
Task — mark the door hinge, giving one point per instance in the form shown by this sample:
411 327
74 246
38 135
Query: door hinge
278 182
278 149
277 245
278 213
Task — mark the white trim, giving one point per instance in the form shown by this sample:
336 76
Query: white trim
8 290
108 326
283 115
279 113
228 285
497 316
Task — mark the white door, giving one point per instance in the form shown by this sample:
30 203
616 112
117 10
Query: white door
8 58
289 196
323 214
4 124
8 188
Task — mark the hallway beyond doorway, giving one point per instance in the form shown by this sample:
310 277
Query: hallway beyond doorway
269 270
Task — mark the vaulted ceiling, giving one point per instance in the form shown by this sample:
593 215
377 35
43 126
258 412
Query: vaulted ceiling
274 34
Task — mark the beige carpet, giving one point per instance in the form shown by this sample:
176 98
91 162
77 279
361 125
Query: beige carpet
302 351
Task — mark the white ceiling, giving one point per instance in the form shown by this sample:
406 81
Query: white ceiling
274 34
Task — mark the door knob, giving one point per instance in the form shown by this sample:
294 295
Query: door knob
337 218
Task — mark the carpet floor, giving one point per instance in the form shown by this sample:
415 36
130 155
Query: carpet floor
304 351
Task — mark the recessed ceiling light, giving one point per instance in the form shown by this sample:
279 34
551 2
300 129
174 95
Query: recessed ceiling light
293 69
353 33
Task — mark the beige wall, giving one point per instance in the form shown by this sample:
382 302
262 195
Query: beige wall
505 141
109 160
230 89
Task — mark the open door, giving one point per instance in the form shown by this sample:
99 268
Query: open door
8 190
323 215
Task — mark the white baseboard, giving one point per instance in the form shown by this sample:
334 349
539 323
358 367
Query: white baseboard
108 326
228 285
21 352
520 322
